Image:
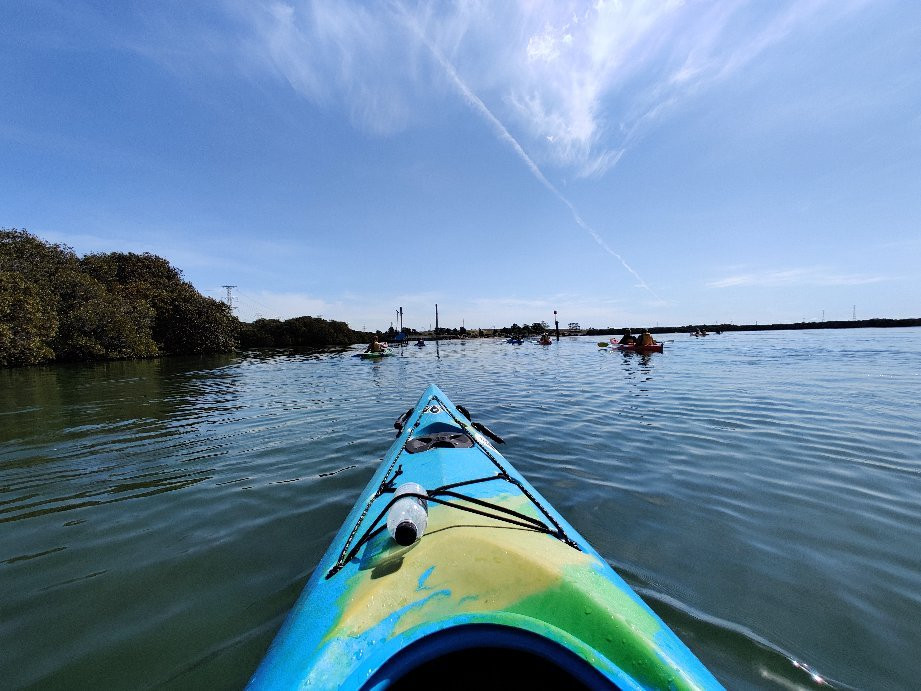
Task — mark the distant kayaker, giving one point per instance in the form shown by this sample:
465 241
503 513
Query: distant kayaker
628 338
545 339
375 346
420 343
646 339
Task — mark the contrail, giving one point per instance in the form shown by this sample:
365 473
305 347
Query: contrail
474 102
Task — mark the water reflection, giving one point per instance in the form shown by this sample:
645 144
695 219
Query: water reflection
638 369
290 354
76 436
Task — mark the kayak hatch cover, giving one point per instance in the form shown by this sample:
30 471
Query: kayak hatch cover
499 591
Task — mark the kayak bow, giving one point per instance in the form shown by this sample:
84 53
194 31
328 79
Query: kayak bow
498 591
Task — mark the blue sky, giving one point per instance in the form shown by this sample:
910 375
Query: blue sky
624 162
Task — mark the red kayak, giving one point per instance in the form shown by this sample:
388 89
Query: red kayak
634 348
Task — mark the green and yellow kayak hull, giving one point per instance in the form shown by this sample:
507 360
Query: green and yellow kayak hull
497 575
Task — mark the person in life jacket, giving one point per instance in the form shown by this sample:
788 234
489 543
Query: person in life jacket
628 338
646 339
375 346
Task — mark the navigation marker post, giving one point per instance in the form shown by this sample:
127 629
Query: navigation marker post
437 354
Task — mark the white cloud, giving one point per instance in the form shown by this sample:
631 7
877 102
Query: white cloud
546 47
810 276
577 82
342 56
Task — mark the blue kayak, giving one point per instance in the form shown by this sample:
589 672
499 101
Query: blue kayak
493 588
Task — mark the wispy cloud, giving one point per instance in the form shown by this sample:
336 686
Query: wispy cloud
502 132
910 243
579 82
809 276
573 68
343 56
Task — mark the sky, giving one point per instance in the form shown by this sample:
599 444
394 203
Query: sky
624 163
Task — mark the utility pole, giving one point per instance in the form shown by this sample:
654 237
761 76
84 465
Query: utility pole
854 313
229 295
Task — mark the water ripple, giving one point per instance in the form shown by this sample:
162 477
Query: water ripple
744 483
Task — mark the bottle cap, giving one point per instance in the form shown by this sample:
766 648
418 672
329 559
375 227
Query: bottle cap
405 534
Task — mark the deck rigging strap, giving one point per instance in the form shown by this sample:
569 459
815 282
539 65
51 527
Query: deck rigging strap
437 495
388 486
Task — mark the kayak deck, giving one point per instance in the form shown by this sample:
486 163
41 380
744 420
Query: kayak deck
497 569
375 355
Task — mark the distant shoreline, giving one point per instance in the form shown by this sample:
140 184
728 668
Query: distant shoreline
709 328
795 326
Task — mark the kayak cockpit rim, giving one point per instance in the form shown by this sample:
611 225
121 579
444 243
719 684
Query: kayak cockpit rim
516 658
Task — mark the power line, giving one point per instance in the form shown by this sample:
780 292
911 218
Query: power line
256 302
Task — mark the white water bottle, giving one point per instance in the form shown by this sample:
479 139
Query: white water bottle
408 517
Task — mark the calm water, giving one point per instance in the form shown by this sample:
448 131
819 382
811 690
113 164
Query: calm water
761 491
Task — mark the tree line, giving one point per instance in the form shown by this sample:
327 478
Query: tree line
310 332
57 306
525 329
